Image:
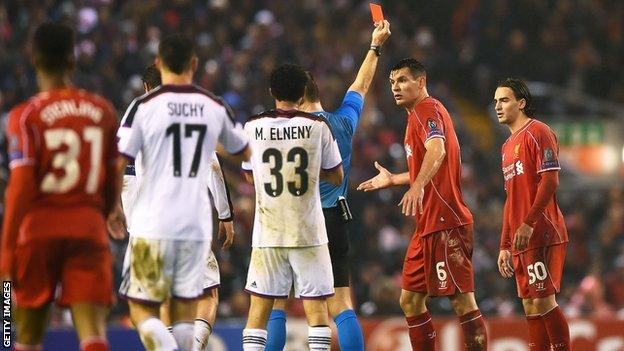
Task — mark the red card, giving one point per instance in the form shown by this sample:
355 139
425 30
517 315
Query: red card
376 12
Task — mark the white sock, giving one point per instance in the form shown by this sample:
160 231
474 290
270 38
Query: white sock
254 339
202 331
153 332
183 334
319 338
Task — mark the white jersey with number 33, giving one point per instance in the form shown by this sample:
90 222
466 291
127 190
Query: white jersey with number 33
289 148
176 129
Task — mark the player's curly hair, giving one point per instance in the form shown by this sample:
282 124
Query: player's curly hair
521 91
53 48
416 67
288 82
311 90
176 52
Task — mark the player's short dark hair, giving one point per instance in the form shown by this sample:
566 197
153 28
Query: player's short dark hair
521 91
288 82
53 48
151 77
311 89
176 52
416 68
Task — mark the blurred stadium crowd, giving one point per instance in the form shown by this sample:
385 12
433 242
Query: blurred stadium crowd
465 45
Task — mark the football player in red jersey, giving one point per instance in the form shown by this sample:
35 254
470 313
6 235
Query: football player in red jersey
437 262
534 236
63 183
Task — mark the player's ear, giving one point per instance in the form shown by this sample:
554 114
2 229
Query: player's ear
521 104
158 64
194 63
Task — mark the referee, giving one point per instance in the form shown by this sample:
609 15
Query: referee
344 122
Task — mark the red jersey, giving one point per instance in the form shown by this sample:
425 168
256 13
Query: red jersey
443 204
525 155
68 137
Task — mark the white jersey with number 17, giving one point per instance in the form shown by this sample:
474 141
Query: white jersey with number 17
289 149
176 129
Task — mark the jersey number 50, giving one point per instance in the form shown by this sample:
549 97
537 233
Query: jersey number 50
300 170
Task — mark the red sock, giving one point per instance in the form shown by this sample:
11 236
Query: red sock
421 332
94 344
475 333
538 336
21 347
558 330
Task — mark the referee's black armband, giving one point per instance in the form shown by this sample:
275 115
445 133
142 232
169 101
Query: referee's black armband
376 49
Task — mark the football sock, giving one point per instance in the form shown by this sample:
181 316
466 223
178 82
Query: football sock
421 332
474 330
22 347
319 338
153 332
538 336
276 328
183 334
202 330
254 339
350 336
558 330
95 343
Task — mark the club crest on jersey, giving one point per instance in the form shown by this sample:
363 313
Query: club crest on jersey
408 151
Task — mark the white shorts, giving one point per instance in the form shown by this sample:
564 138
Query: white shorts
274 270
155 270
212 279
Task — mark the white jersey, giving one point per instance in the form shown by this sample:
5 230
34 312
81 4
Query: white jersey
289 148
176 129
216 182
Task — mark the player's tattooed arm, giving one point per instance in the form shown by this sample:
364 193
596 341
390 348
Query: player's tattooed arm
432 161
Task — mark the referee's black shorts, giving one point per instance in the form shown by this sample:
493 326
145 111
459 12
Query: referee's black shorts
338 235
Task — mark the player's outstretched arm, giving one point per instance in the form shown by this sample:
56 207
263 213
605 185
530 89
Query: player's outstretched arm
367 70
333 176
384 179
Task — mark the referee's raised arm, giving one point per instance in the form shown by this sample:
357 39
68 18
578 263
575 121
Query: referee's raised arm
367 69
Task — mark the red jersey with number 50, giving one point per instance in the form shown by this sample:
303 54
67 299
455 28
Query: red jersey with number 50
68 137
443 203
527 153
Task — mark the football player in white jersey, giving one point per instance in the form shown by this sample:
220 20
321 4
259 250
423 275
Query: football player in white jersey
175 127
292 150
207 304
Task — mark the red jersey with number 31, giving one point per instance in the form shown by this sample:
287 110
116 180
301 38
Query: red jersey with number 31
443 203
68 137
527 153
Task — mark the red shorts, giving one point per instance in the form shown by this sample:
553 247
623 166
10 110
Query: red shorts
83 267
440 263
539 271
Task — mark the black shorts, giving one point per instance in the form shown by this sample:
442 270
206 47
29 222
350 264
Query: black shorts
338 235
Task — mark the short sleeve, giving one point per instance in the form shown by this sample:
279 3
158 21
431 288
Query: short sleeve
430 121
330 153
547 150
20 138
129 134
351 109
232 136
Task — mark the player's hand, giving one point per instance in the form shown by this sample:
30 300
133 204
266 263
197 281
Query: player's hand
227 229
504 264
412 199
380 181
522 237
116 223
381 33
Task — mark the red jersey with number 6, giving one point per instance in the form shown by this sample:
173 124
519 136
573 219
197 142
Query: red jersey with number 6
443 203
68 137
526 154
